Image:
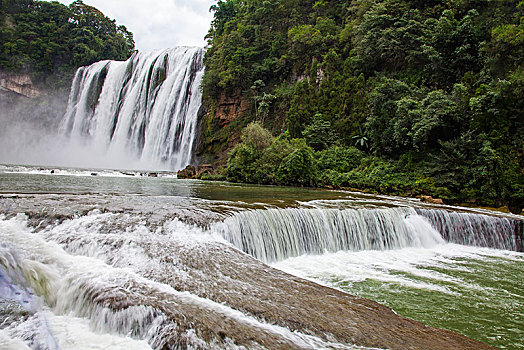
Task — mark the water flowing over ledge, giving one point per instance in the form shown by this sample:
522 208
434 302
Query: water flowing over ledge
158 270
176 287
476 229
142 111
276 234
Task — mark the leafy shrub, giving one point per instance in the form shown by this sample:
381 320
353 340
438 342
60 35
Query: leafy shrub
341 159
319 134
297 168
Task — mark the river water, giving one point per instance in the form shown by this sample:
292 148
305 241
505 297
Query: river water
96 259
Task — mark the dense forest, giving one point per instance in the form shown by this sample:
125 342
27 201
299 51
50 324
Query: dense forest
405 97
49 40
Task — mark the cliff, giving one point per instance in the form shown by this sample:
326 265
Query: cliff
19 84
230 108
221 125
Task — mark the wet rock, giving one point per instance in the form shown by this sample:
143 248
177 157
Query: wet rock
20 84
187 173
217 293
429 199
204 169
515 206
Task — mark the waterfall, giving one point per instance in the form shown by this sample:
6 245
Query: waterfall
474 229
144 109
276 234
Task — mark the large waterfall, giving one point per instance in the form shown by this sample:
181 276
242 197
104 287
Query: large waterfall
142 111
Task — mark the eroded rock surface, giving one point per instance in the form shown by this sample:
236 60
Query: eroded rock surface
192 285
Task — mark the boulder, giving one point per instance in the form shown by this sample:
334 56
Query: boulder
429 199
515 206
187 173
204 169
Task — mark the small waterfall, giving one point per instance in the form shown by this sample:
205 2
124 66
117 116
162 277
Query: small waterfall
144 109
277 234
474 229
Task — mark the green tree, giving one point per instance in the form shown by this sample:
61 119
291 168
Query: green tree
50 40
297 168
319 134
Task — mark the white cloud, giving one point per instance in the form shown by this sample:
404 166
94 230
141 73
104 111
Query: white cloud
158 24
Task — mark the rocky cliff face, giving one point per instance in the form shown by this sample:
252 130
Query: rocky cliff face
20 84
230 108
221 126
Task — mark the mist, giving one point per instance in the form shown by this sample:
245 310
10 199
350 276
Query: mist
28 128
30 135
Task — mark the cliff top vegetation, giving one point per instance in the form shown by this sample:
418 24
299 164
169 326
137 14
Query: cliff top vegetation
49 40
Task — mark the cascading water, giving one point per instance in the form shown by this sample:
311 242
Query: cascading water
142 111
276 234
473 229
137 263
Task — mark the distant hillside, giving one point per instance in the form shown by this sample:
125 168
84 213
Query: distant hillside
396 96
48 40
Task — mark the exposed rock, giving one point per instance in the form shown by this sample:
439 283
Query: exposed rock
187 173
429 199
18 83
515 206
230 108
205 169
220 280
320 76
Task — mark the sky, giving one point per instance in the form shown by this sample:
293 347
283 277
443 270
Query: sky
159 24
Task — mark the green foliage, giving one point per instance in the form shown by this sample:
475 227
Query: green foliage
389 37
260 158
319 134
297 168
430 92
339 159
50 39
256 136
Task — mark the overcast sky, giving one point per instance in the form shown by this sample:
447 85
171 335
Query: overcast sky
158 24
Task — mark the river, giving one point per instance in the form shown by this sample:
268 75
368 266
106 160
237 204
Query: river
97 258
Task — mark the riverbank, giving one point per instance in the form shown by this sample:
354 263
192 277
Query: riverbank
208 173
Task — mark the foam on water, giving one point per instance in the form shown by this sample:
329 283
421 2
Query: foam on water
84 287
76 334
394 266
54 171
473 290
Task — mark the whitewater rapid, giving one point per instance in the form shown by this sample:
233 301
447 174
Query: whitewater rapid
138 262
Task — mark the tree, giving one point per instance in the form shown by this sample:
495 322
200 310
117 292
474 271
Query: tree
319 134
297 168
